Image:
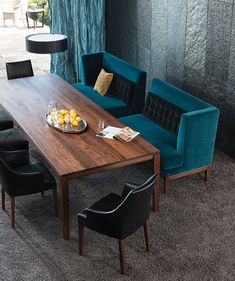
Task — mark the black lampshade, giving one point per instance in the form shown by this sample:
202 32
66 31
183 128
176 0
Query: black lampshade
46 43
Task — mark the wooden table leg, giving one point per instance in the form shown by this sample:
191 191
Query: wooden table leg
64 193
156 189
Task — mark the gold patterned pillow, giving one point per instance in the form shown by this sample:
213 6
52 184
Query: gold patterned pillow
103 82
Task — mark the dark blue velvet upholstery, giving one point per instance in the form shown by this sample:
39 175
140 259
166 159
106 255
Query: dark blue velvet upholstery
91 65
189 147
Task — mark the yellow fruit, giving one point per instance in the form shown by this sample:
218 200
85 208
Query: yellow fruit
60 116
78 119
66 116
60 121
62 111
72 119
66 120
75 123
73 112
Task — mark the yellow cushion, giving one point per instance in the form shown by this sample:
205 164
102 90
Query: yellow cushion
103 82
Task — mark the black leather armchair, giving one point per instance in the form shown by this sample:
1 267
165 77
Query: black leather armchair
19 69
119 216
19 177
5 120
12 139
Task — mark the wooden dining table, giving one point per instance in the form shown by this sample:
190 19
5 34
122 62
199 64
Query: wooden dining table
71 155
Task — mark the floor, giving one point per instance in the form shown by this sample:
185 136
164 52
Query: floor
12 48
193 235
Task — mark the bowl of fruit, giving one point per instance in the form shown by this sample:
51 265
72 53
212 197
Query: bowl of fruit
67 121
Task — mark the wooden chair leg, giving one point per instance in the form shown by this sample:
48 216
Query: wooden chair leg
208 174
166 184
122 255
3 199
55 201
146 235
81 238
13 212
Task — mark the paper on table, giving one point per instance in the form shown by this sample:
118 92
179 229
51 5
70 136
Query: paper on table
109 132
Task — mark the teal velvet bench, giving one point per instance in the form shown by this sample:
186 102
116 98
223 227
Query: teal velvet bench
126 94
181 126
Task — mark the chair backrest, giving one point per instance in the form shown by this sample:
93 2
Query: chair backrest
19 69
176 96
11 181
134 210
7 177
91 65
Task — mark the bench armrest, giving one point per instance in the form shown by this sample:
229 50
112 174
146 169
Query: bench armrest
196 136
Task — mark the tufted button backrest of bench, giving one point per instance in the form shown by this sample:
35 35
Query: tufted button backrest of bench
163 113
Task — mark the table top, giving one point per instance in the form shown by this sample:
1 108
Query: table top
26 99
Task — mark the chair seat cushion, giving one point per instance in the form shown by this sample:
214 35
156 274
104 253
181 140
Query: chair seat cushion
112 104
5 120
12 139
157 136
38 167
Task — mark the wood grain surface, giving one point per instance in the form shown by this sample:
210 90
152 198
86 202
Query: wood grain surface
26 100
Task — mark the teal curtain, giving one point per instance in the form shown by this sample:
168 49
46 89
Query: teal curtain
83 21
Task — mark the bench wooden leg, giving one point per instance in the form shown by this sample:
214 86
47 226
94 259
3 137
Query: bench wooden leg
208 174
166 184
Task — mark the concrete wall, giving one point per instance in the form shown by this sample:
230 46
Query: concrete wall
190 43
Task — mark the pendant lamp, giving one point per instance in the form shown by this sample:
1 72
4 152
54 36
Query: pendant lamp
46 43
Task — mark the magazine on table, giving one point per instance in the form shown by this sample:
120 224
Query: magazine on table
125 134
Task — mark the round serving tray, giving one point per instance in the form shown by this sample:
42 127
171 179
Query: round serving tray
68 128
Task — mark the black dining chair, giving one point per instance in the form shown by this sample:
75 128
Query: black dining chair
19 69
15 70
5 120
12 139
119 216
19 177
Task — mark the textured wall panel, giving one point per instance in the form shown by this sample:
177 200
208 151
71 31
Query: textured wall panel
193 82
196 27
231 76
218 39
230 108
176 16
190 43
121 29
229 122
159 38
144 62
144 23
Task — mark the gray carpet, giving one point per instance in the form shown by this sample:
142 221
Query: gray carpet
193 236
